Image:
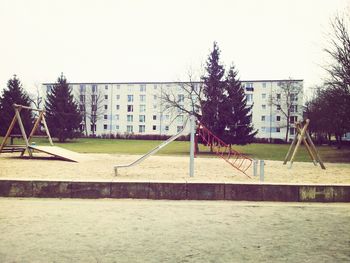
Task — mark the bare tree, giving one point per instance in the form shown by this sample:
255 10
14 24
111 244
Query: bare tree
285 99
92 107
188 99
36 98
339 52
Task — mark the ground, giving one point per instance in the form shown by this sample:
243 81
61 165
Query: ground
106 230
99 167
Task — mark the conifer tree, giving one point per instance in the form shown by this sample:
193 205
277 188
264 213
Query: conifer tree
235 114
213 91
14 94
63 116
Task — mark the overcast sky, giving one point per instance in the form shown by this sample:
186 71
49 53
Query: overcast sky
160 40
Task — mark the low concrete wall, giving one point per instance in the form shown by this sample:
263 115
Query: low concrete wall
176 191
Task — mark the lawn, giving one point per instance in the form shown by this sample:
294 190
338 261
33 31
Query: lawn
255 150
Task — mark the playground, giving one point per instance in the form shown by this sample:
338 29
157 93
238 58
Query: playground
97 167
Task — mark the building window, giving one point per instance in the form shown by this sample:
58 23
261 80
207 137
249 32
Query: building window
142 98
82 98
117 127
180 119
154 117
142 118
142 108
117 117
278 118
167 128
82 88
263 96
278 129
264 84
117 107
249 87
180 98
105 126
293 119
249 97
129 118
106 97
293 97
129 128
142 128
106 107
278 107
94 88
154 127
263 118
179 128
263 107
166 117
105 117
118 97
106 87
82 107
292 130
155 97
154 106
294 108
143 88
130 98
278 96
93 127
130 108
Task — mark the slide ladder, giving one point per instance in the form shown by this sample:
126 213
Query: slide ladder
236 159
153 151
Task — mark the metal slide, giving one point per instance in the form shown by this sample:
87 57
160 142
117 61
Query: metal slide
153 151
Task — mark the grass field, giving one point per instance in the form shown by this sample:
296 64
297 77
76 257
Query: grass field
255 150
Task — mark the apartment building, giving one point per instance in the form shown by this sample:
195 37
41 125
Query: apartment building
137 107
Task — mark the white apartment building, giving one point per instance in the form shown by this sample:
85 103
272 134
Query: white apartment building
137 107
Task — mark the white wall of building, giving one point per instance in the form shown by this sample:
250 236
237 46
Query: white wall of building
156 120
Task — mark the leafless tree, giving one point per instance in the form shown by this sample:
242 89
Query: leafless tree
36 98
285 99
188 99
339 52
92 107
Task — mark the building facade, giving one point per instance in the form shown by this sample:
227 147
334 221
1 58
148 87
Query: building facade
138 107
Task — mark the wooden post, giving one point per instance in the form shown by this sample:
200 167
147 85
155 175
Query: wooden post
46 129
36 125
290 148
314 148
9 130
23 131
299 142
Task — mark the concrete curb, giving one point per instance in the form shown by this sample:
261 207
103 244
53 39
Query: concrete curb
176 191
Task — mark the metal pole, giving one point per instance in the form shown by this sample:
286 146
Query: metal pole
192 127
255 167
262 164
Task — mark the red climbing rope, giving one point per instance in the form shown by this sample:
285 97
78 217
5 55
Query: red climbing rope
236 159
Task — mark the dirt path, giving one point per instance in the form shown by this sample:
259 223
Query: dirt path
165 168
53 230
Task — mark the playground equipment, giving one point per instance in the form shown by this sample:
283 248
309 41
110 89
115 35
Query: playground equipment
302 135
236 159
29 146
223 150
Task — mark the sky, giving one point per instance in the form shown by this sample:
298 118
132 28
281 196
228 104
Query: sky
162 40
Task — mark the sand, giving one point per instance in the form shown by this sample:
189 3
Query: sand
105 230
99 167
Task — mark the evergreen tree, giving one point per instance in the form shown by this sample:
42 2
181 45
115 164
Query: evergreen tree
14 94
213 91
62 112
235 114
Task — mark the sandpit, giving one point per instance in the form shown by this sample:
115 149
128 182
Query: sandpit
99 167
